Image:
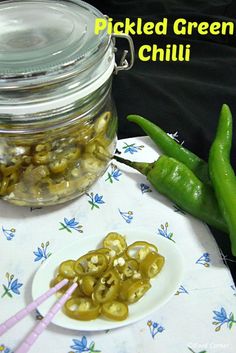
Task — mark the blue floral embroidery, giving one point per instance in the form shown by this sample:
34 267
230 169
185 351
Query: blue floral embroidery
165 233
95 200
145 188
12 287
4 349
154 328
82 346
9 233
71 224
181 290
204 260
42 254
127 216
114 174
131 148
222 318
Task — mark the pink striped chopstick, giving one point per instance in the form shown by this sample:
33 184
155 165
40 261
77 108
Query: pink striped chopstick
40 327
22 313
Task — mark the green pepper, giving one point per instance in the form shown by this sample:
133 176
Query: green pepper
87 284
115 241
128 269
58 166
109 255
92 264
66 269
82 309
72 154
133 289
107 287
140 249
177 182
44 169
172 148
151 265
43 157
115 310
4 185
78 291
102 122
222 174
58 279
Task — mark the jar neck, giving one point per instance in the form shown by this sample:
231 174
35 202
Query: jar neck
56 118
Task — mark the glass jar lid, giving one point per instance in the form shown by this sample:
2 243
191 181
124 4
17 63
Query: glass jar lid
46 41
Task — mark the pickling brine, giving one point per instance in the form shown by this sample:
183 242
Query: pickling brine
59 164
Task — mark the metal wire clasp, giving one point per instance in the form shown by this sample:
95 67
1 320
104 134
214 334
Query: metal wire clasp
124 64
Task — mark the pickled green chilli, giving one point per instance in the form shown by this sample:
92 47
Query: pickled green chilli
56 165
58 120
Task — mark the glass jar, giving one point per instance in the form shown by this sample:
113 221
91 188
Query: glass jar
57 118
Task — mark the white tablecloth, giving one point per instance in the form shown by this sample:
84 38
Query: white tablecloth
199 318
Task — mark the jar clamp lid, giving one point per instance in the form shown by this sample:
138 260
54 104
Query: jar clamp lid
46 43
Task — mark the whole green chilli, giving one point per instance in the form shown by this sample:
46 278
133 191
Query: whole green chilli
177 182
172 148
222 174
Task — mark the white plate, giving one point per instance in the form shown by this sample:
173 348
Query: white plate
163 287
